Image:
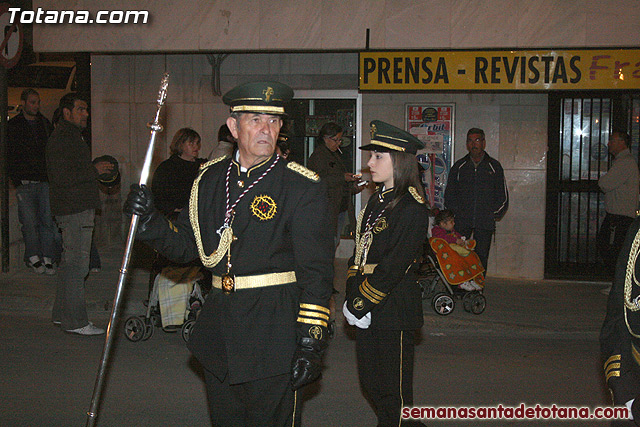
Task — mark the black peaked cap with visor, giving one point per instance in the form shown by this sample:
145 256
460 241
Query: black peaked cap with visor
259 97
385 138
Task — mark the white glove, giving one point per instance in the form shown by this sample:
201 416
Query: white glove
628 405
353 320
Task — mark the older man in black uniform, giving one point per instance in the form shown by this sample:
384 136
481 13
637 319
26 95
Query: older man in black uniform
259 224
620 334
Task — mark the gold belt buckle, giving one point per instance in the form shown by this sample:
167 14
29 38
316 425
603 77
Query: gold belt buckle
228 284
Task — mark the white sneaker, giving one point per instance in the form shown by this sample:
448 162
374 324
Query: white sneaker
37 266
49 269
475 286
88 329
467 286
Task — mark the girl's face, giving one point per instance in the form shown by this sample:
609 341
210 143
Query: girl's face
381 167
448 224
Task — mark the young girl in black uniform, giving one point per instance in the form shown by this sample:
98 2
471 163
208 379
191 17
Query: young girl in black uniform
383 298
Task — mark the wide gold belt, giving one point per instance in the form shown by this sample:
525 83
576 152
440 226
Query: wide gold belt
258 280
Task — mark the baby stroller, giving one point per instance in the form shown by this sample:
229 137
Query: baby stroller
174 303
441 284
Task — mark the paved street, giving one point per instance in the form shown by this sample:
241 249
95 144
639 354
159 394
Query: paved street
536 343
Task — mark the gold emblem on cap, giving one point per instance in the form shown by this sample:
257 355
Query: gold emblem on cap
268 93
374 130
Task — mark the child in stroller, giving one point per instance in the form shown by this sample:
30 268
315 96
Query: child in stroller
451 269
462 265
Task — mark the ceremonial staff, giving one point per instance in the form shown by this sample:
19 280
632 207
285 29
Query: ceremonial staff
155 127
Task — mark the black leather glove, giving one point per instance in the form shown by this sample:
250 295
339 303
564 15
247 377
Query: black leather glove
140 202
307 362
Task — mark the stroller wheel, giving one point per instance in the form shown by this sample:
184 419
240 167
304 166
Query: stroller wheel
443 304
148 329
134 328
466 301
186 329
478 303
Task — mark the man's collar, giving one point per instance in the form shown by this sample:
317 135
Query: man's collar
249 171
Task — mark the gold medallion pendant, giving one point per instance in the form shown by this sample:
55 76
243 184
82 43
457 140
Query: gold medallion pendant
228 284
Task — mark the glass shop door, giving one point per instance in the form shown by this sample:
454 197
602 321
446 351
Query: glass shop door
312 109
579 129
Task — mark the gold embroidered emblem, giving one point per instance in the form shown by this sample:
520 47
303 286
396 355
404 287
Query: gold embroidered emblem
263 207
268 93
374 130
380 225
358 303
315 332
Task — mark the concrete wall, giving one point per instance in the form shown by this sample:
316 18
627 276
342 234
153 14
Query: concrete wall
231 25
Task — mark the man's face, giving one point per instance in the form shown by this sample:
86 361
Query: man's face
476 144
616 143
256 135
79 115
32 105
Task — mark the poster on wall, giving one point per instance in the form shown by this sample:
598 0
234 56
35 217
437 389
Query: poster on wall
433 124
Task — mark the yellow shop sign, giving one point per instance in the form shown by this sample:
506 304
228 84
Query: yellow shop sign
582 69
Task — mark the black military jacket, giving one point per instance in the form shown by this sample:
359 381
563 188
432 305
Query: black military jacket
280 225
619 342
391 292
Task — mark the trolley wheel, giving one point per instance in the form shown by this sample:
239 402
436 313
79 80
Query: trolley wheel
134 328
466 301
148 329
186 329
478 303
443 304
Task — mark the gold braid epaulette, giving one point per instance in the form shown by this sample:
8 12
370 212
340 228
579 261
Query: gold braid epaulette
213 161
216 256
416 195
307 173
630 280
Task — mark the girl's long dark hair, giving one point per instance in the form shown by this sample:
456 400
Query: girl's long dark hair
406 173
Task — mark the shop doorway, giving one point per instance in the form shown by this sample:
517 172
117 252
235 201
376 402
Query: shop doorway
309 111
579 129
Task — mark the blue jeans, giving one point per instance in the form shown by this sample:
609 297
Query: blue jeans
34 214
69 307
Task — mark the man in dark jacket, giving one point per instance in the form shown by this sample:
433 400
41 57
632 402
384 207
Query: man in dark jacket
259 223
74 198
27 135
477 193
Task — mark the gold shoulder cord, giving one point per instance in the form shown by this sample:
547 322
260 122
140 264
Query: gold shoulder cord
629 280
227 236
416 195
359 248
